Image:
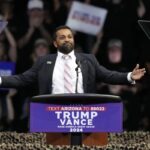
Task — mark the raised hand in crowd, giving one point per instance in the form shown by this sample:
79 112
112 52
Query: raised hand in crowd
12 53
7 36
97 43
35 21
141 10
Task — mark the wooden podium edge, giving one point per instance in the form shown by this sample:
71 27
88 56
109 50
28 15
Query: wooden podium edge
88 139
97 139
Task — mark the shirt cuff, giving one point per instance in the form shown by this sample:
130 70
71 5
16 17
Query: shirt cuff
0 80
130 79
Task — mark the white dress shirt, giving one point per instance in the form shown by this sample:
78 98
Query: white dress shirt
58 78
130 79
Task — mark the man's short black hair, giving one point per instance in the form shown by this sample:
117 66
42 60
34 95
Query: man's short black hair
60 28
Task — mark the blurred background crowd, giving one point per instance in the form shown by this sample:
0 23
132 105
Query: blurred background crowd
120 46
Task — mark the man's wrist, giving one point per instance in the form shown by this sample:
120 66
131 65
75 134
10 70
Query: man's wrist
129 77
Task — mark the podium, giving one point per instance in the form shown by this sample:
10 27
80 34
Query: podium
76 119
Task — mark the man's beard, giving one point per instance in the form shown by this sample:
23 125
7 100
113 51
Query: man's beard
66 48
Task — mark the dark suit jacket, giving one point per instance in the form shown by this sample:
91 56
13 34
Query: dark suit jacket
41 72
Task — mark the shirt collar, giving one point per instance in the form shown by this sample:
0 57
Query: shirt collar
71 54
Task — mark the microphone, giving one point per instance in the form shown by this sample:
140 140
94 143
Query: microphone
77 73
78 64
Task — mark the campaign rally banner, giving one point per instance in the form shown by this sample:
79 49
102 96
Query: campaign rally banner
81 118
86 18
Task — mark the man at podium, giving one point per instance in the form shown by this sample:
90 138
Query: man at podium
68 71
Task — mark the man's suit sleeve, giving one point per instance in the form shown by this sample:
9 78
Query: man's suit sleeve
24 79
105 75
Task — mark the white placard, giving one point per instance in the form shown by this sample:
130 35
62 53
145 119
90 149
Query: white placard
86 18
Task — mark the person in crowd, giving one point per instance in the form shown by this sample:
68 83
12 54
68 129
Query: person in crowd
34 28
54 74
41 48
33 25
128 93
36 21
8 51
114 62
7 54
115 54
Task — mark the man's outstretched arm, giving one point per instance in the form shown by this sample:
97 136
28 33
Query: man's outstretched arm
28 77
114 77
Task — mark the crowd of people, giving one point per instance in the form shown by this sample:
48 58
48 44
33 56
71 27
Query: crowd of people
119 46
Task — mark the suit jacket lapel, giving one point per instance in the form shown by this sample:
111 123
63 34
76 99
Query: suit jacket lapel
50 63
84 70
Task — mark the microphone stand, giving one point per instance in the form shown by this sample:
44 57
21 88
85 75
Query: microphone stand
76 137
77 73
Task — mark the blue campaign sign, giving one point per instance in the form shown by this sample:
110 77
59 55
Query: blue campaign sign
105 117
7 68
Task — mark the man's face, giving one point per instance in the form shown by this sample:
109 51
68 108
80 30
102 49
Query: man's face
64 41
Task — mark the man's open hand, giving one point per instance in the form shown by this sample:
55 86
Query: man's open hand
137 73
